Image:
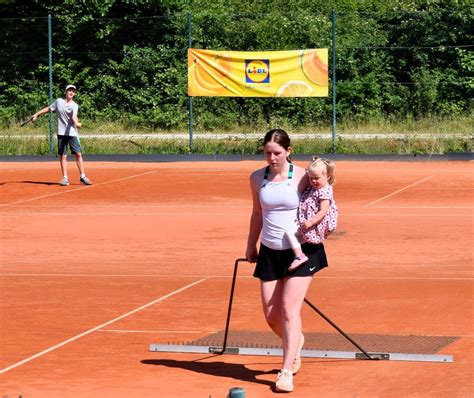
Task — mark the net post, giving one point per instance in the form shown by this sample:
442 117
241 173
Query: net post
333 81
50 67
190 44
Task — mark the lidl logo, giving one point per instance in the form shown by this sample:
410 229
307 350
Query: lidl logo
257 71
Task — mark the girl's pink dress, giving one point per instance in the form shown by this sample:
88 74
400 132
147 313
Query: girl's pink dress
309 205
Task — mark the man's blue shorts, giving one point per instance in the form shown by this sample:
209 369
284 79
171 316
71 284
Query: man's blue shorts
64 141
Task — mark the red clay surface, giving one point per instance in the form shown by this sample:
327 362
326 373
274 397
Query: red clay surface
91 276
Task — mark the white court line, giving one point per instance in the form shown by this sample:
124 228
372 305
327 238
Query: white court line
123 214
398 191
409 214
95 214
158 206
76 189
443 188
157 331
213 206
415 278
39 354
225 276
215 331
119 275
424 207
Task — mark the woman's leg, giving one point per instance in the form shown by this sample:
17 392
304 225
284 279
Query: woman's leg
271 294
292 297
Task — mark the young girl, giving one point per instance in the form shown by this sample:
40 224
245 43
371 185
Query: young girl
317 212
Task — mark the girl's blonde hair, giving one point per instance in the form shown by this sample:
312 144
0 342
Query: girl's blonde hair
326 164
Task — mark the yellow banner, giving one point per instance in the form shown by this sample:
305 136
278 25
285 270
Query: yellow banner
298 73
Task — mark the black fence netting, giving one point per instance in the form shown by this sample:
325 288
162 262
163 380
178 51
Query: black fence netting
400 79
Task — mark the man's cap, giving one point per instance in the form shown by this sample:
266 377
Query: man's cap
71 86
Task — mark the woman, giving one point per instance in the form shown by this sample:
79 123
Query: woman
276 191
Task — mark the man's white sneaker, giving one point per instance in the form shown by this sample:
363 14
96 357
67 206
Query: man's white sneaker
64 182
85 181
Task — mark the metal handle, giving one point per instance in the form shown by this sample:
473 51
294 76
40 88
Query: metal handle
229 310
338 329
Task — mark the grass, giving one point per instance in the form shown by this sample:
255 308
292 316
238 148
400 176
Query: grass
415 146
427 136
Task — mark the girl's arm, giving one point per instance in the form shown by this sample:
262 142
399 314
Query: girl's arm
256 218
316 219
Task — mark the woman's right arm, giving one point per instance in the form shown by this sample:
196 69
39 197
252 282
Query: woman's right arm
255 220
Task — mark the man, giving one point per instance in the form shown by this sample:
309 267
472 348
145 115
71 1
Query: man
68 124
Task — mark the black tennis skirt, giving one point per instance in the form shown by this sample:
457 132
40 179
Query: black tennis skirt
273 264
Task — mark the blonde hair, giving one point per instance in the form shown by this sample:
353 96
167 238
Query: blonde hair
325 164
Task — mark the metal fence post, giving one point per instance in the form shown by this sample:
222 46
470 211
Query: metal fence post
333 81
50 65
190 27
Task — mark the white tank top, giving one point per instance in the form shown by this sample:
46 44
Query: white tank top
279 202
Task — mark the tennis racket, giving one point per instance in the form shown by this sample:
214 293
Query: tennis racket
26 121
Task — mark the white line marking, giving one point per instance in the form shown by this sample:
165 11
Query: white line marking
213 206
158 206
77 189
39 354
227 276
157 331
409 214
215 331
212 135
443 188
423 207
398 191
400 278
120 214
187 276
28 214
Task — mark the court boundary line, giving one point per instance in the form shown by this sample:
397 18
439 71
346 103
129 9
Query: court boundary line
213 206
399 190
470 336
157 331
207 277
58 214
92 330
77 189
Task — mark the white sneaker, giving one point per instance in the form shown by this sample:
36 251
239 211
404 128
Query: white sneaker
64 182
84 180
284 381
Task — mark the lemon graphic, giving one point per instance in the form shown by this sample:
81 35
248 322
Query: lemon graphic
314 64
295 88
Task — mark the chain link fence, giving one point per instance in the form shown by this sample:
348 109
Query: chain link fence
386 94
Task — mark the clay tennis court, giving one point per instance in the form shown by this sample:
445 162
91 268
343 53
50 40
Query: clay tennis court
91 276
